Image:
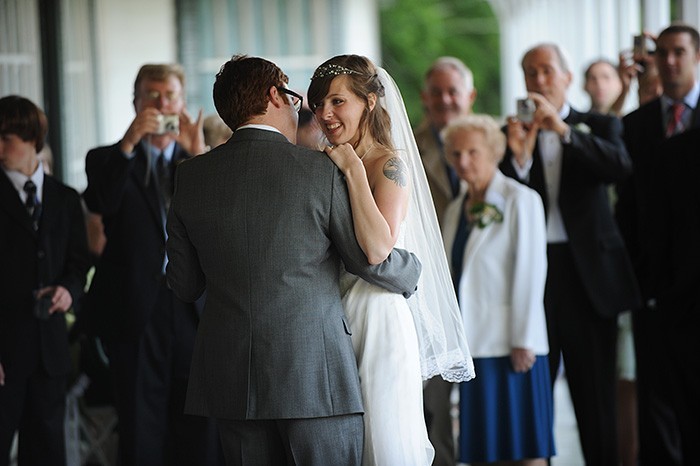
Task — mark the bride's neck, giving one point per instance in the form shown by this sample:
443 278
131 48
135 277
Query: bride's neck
364 148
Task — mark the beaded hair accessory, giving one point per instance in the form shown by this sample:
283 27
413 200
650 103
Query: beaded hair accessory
331 69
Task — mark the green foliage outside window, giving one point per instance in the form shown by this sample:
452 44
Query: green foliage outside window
416 32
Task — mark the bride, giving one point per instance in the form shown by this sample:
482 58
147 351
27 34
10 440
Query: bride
398 342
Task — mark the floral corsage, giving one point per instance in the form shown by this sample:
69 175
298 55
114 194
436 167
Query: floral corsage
484 214
582 128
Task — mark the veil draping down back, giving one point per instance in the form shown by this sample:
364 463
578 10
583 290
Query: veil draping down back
443 346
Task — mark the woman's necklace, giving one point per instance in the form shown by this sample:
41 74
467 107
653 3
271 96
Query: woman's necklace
369 149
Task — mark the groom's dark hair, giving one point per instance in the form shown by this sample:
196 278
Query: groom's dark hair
241 88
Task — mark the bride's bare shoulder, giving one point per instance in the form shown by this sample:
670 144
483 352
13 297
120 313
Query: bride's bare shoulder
388 164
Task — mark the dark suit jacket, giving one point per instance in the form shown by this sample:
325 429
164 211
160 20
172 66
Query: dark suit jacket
636 212
263 224
595 158
675 234
124 288
434 163
55 255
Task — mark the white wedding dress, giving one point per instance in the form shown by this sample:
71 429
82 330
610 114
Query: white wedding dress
386 346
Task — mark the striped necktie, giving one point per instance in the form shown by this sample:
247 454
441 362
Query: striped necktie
675 125
32 203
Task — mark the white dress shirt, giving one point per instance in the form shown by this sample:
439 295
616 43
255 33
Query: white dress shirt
551 150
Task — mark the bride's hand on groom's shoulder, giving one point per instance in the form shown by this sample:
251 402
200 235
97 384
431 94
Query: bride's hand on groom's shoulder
345 158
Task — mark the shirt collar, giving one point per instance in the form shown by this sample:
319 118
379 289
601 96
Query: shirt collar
262 127
168 151
18 180
690 99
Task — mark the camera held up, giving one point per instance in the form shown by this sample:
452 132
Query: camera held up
525 110
168 124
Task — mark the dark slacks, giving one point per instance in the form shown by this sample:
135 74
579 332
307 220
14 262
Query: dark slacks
668 383
438 418
587 343
335 440
150 375
35 406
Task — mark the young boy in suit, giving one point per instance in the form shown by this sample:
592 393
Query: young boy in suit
44 264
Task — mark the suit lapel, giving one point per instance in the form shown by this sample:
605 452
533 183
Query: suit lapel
13 206
477 236
435 167
50 203
537 181
695 120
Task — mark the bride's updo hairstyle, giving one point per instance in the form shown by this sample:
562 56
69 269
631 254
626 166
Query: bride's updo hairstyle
362 81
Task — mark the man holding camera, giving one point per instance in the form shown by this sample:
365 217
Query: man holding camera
148 332
569 158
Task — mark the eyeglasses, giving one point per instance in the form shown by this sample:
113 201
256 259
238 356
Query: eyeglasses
170 96
299 99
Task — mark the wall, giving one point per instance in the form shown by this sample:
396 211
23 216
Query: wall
586 29
129 34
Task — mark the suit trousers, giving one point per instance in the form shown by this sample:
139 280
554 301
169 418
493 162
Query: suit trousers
437 406
150 375
35 406
335 440
587 343
667 387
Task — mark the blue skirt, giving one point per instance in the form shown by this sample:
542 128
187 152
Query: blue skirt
504 415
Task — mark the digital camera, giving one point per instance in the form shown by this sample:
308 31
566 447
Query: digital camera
643 45
525 110
168 124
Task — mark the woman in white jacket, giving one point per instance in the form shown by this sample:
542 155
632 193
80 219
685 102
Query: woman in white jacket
495 239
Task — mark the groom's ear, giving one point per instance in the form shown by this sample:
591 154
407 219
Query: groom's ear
371 100
274 97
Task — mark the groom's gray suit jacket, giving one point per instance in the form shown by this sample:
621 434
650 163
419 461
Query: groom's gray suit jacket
263 225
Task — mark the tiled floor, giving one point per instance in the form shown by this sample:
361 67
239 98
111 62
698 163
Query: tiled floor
565 430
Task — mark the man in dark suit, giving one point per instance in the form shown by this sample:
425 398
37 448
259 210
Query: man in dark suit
658 329
148 332
44 265
674 265
569 158
448 93
262 225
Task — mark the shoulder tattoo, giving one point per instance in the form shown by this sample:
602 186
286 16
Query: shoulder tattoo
395 170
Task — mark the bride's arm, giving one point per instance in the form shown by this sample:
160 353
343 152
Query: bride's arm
378 198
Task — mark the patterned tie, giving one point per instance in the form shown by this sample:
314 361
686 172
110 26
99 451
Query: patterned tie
674 122
459 247
32 203
165 180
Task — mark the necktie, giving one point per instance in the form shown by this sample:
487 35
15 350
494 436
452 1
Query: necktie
165 180
459 246
674 122
32 203
454 180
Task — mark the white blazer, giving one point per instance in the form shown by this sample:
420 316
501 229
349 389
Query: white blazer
501 291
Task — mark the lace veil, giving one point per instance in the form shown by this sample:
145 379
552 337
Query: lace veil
443 346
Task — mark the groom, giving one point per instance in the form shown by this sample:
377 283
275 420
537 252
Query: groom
263 226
